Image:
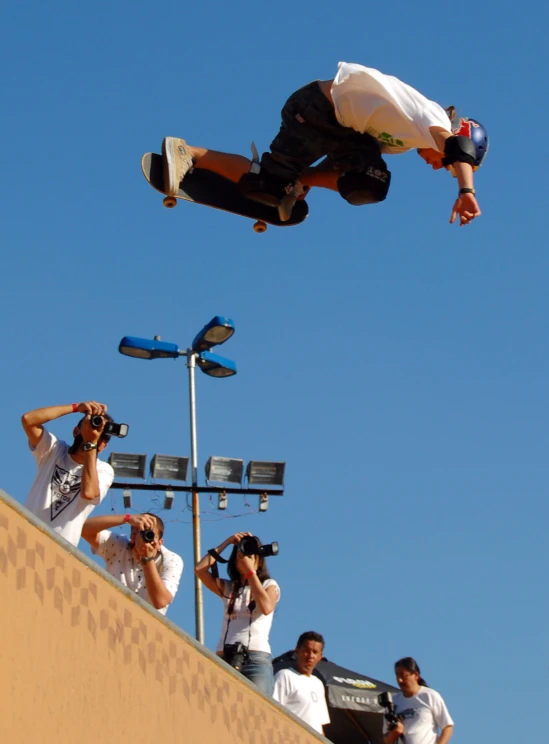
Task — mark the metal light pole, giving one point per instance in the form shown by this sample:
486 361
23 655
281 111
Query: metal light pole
217 331
198 603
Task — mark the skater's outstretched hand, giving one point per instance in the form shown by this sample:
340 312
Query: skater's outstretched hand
466 206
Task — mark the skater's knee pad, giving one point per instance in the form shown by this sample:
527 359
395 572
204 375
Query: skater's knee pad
366 187
263 187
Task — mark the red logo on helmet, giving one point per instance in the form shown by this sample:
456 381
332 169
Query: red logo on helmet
465 127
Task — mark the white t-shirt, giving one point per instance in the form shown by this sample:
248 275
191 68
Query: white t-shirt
55 494
423 715
120 563
238 629
304 696
394 113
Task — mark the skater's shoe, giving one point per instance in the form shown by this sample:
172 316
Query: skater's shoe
293 192
177 163
264 187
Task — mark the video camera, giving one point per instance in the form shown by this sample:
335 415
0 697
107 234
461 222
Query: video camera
251 545
385 699
110 429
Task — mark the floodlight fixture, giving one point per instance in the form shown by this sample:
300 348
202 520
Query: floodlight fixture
224 470
144 348
265 473
263 502
216 332
222 500
128 466
215 365
169 467
127 498
168 499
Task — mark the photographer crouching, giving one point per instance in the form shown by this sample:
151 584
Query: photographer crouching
418 712
141 563
249 599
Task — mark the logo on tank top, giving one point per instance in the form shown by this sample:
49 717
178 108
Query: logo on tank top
65 488
388 140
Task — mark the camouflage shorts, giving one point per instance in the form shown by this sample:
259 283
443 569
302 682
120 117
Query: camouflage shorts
310 131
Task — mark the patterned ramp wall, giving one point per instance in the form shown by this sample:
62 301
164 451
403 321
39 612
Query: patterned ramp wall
84 660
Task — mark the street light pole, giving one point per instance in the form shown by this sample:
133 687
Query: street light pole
216 332
198 605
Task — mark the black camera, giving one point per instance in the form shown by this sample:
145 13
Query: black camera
111 429
235 654
385 699
251 545
147 535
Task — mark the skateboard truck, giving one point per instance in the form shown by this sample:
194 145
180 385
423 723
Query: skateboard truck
255 167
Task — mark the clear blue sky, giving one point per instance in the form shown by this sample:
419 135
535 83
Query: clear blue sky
397 364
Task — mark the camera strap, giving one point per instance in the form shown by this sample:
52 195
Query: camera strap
159 561
218 559
230 609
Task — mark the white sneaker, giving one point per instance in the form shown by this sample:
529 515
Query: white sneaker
293 192
177 163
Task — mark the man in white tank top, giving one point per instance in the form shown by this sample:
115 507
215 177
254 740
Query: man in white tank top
351 121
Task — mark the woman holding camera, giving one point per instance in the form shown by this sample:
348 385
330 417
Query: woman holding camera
421 711
249 599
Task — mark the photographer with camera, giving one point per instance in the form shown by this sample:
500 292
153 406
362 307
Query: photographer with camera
417 713
249 599
141 563
71 480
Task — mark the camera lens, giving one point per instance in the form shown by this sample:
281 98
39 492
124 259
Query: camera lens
249 545
148 535
96 421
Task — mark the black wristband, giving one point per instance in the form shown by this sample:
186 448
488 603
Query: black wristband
467 191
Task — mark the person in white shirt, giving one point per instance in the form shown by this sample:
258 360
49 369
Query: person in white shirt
142 562
350 121
298 689
70 480
421 710
249 599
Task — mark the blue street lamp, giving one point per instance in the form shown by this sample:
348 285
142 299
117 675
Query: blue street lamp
216 332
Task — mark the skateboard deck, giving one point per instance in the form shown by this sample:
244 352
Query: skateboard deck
211 190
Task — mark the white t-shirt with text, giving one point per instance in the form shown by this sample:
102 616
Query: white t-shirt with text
304 696
120 563
55 494
237 627
395 114
422 715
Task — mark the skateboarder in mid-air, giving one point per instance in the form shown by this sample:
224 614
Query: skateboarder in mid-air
349 121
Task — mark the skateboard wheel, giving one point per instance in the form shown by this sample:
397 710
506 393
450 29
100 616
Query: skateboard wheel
169 202
260 226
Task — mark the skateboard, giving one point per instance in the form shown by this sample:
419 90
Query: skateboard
211 190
